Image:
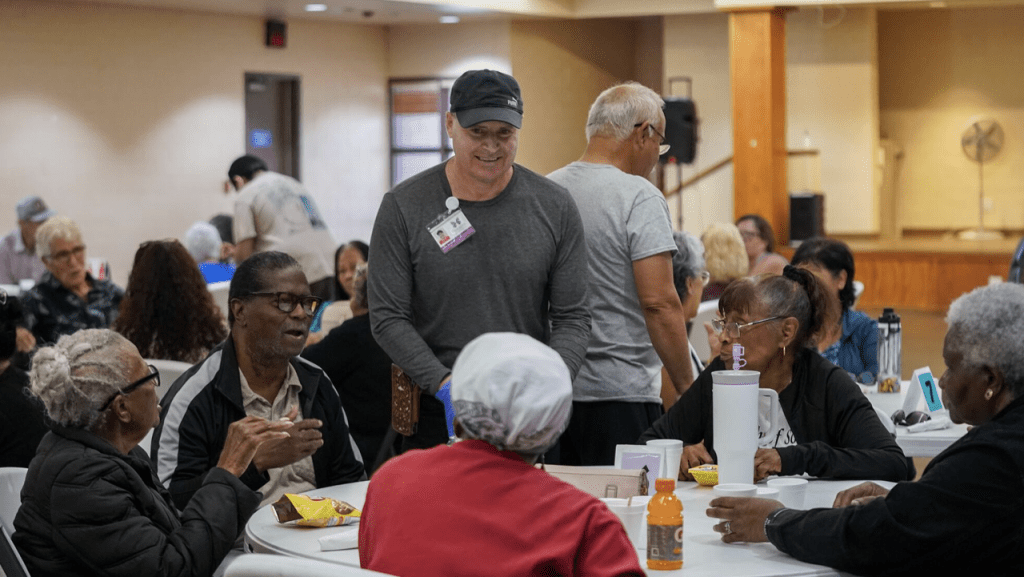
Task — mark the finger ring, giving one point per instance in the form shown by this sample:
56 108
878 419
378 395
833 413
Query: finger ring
728 528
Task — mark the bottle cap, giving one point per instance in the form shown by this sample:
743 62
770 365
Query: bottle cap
665 485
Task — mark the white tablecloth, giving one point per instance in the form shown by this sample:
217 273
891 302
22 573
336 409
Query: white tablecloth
923 444
704 554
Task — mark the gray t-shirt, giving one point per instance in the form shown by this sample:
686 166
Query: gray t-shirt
523 271
625 219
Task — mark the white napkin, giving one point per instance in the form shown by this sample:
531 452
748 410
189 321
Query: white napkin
347 538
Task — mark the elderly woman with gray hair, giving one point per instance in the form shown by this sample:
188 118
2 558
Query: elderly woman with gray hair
690 278
91 503
965 515
480 506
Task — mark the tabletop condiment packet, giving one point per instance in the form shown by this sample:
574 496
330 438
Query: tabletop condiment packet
343 539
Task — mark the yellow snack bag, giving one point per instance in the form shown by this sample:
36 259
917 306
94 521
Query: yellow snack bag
314 511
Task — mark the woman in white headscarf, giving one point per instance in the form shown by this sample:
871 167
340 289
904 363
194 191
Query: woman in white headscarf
480 506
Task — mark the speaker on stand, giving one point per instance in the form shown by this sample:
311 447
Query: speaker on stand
680 133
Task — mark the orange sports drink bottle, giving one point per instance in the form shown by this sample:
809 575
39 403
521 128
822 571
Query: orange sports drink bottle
665 527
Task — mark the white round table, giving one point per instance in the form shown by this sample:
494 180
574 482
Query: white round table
704 554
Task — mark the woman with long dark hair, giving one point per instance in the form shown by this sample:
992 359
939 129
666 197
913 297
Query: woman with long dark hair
167 311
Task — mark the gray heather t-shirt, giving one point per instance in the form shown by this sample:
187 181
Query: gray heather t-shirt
523 270
625 219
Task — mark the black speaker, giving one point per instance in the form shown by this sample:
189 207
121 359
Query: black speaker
680 130
806 216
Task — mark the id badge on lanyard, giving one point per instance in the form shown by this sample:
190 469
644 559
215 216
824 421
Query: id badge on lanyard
451 227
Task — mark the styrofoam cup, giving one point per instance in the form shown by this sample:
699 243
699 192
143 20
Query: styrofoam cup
673 455
792 490
735 490
768 493
631 516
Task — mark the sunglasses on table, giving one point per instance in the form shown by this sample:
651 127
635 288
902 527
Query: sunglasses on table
915 417
286 302
153 374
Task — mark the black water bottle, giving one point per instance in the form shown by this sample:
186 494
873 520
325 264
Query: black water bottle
890 344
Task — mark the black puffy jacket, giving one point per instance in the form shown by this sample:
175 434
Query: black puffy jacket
88 509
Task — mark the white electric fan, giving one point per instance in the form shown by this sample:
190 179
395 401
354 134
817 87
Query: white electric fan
982 140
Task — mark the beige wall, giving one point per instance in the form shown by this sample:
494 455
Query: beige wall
562 66
447 50
830 93
939 70
127 119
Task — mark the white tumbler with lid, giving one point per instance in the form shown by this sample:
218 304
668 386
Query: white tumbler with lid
735 399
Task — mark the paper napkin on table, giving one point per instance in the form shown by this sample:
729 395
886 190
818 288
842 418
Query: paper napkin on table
344 539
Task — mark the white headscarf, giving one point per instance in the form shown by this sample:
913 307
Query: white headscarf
512 391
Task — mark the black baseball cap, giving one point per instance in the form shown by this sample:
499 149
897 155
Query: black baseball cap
482 95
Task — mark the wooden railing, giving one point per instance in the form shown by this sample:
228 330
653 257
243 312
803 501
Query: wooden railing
720 165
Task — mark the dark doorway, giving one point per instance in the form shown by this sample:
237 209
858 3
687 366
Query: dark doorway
272 120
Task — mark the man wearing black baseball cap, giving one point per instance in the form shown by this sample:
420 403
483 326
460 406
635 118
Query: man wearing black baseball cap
514 260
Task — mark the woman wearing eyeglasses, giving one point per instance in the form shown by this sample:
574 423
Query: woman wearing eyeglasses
91 503
965 515
828 429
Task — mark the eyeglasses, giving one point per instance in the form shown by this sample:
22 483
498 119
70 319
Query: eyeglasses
913 418
153 374
732 330
64 256
286 302
705 277
662 147
747 235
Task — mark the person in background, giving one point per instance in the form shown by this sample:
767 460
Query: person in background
826 428
726 258
965 515
18 260
203 242
91 504
224 224
361 371
67 298
346 259
759 240
521 266
275 212
256 371
480 506
854 346
22 422
638 324
690 277
167 312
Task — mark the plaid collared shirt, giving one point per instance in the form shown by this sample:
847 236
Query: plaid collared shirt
52 310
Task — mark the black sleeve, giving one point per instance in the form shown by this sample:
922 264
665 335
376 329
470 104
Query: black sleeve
857 445
964 512
690 418
342 465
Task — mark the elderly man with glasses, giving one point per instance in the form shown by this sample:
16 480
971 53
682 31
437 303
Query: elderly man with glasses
67 298
639 323
257 371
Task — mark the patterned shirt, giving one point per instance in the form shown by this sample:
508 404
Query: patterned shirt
17 262
51 310
857 350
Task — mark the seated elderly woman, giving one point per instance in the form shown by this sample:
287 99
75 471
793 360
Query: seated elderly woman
725 256
68 298
965 515
167 312
203 242
854 346
689 277
827 427
91 503
480 506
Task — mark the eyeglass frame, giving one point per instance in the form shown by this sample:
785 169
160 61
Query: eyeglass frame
720 325
905 420
64 256
662 147
310 311
154 374
705 277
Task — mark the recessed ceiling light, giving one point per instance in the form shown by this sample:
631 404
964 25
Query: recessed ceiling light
448 19
316 7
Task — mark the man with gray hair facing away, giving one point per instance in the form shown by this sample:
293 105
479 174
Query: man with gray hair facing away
480 507
638 321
